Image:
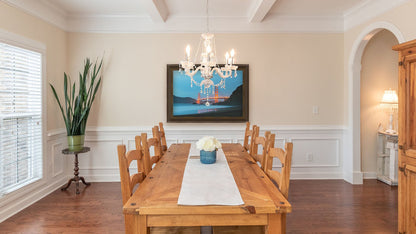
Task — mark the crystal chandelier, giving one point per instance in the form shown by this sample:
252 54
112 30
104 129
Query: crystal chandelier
208 63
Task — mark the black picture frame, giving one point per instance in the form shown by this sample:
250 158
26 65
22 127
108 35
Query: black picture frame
242 115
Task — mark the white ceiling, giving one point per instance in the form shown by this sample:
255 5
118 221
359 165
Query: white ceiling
190 15
217 8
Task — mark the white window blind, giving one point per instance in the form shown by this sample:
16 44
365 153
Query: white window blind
20 117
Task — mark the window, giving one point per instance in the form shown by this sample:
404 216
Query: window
20 117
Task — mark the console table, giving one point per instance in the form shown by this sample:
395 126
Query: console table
387 157
76 178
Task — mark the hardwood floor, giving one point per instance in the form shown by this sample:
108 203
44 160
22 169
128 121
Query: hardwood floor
319 206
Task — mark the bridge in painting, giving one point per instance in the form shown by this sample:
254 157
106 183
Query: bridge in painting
214 99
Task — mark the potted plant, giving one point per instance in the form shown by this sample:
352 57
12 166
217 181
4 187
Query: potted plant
208 146
76 107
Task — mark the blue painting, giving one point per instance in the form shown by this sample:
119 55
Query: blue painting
227 100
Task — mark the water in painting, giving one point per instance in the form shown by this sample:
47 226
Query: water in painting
192 100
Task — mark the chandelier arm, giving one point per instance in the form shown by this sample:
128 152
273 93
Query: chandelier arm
219 72
192 73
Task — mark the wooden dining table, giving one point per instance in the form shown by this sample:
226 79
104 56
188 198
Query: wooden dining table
154 203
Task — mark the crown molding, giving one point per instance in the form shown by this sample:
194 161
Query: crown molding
175 24
45 10
368 10
48 11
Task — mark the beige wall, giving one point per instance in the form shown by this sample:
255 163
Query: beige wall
378 73
22 24
289 73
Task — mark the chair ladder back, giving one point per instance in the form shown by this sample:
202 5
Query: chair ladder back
147 166
162 136
128 182
158 135
254 134
263 141
268 162
147 144
247 135
281 178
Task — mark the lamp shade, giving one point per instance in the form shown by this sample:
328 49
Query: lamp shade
390 97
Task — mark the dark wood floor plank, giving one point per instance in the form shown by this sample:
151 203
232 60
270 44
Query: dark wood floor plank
319 206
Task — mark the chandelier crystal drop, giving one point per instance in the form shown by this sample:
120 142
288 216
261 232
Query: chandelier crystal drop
208 63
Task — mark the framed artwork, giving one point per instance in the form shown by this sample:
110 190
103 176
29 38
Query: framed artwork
187 101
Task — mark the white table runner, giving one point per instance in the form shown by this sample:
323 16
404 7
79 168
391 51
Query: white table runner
208 184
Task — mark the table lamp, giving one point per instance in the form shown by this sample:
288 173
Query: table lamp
390 100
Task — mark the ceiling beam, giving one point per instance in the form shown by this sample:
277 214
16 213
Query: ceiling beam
260 10
157 10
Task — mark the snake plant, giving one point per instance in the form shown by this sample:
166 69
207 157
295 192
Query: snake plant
76 109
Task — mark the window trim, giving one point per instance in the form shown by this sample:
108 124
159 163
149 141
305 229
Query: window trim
29 44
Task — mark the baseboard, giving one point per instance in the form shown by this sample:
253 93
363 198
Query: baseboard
316 176
18 203
354 178
92 176
370 175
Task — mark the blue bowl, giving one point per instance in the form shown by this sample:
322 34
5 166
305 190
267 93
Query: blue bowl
208 157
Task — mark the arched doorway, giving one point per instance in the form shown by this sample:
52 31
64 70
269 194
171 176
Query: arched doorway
352 156
378 73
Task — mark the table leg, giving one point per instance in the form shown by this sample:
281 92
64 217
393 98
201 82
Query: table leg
277 224
141 224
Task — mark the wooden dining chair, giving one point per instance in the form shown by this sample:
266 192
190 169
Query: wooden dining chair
282 178
162 138
259 141
128 182
159 133
248 137
146 147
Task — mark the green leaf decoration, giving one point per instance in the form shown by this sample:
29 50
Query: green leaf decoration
76 108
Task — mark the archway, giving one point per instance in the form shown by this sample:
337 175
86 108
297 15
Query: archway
352 154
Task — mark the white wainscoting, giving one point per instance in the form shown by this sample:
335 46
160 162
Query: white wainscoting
317 154
317 150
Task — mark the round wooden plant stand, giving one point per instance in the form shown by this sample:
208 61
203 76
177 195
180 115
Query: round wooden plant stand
76 178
